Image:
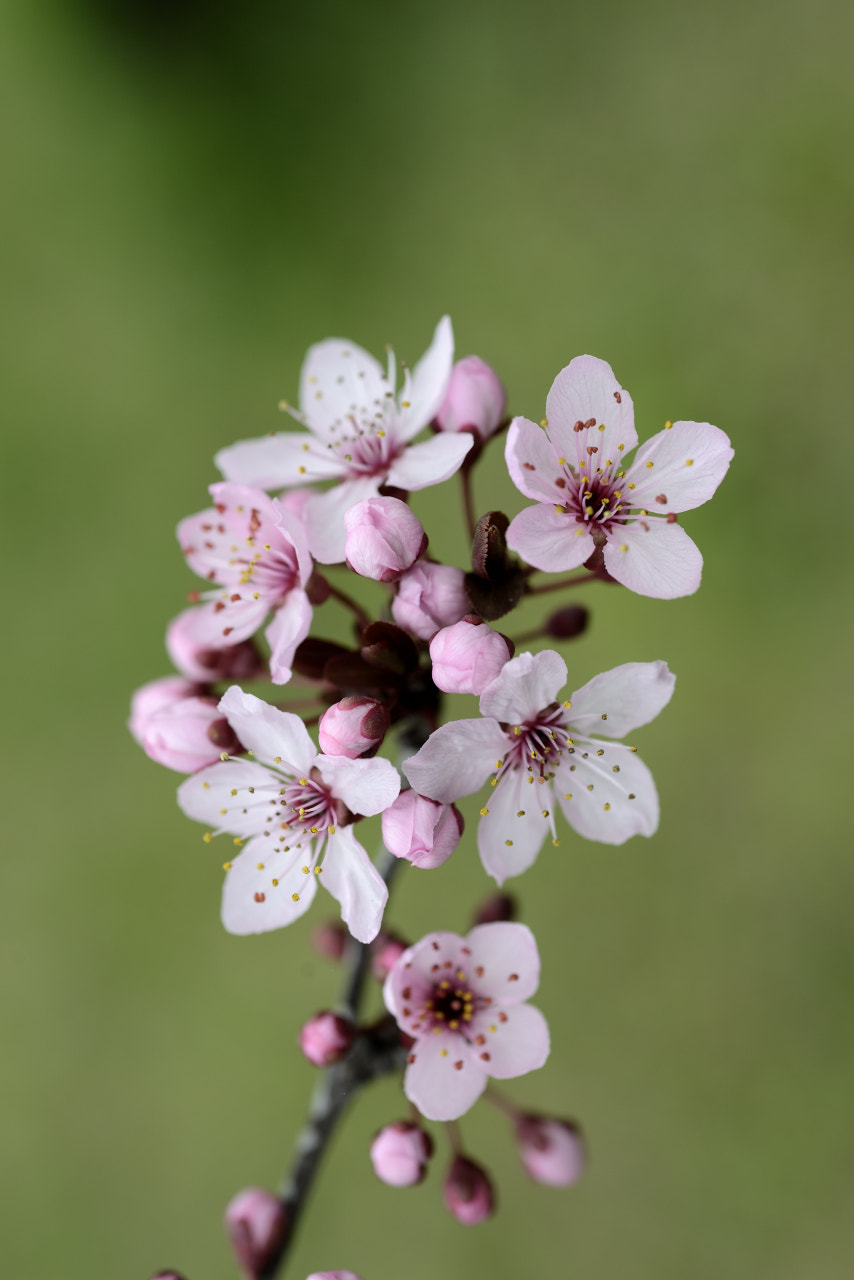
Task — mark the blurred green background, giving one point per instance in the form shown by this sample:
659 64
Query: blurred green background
192 194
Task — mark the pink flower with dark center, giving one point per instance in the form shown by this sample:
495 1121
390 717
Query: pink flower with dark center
359 433
256 553
540 751
589 498
462 1000
287 807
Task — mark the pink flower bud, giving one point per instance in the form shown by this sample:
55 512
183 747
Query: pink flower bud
255 1222
353 727
334 1275
236 662
189 735
383 539
468 1192
468 656
386 950
330 938
154 697
400 1153
474 401
423 831
325 1038
429 596
167 1275
552 1151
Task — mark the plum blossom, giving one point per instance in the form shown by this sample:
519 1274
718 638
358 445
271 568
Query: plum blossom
359 432
287 807
383 538
462 1000
467 656
256 553
540 750
430 596
589 498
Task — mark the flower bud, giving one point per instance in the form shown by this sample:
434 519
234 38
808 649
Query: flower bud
236 662
468 656
423 831
384 538
334 1275
429 596
474 401
156 696
400 1152
353 727
330 938
552 1151
468 1192
255 1222
567 623
325 1038
501 906
167 1275
386 950
189 735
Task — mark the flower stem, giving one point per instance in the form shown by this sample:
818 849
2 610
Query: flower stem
351 604
468 500
559 585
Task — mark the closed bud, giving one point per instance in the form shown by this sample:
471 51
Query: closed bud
423 831
386 950
330 938
468 656
500 907
552 1151
353 727
255 1222
178 728
167 1275
399 1154
325 1038
468 1192
429 596
567 623
384 538
474 401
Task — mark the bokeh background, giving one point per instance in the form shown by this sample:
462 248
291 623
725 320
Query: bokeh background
192 194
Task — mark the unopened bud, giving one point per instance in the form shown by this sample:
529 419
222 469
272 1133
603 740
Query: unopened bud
468 1192
167 1275
334 1275
552 1151
500 907
384 538
178 728
423 831
567 623
255 1222
325 1038
474 401
353 727
330 938
468 656
429 596
399 1154
386 950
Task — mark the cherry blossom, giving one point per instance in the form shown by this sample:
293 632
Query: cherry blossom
540 750
462 1000
589 498
359 432
257 555
287 807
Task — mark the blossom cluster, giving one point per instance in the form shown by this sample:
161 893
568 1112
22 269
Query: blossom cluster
297 520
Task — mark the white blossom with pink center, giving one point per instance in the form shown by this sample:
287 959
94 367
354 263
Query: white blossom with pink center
359 433
287 808
463 1002
256 553
540 750
589 498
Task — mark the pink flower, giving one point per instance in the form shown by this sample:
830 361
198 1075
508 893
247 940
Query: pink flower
359 433
539 750
589 499
552 1151
287 807
256 553
325 1038
355 726
422 831
468 656
429 596
468 1192
399 1154
383 538
462 1001
255 1222
475 399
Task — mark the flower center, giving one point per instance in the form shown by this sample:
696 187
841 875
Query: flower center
595 499
309 805
370 452
536 745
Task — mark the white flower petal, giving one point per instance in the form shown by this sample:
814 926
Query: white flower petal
428 385
431 462
620 700
275 737
587 389
353 880
511 834
517 1040
508 955
603 805
278 462
550 540
524 686
290 625
689 460
339 380
532 461
654 558
440 1089
220 796
456 760
365 786
251 903
323 515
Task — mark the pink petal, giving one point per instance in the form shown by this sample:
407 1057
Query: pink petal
654 558
439 1088
532 461
515 1046
289 627
502 950
456 760
207 625
251 903
207 796
620 700
587 389
292 529
275 737
274 462
429 382
354 881
365 786
548 539
339 379
420 465
525 685
511 834
607 813
323 514
689 459
414 969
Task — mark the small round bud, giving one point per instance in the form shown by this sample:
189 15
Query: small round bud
501 906
567 623
325 1038
178 728
474 401
468 1192
330 938
552 1151
399 1154
423 831
255 1222
353 727
429 596
384 538
386 950
468 656
334 1275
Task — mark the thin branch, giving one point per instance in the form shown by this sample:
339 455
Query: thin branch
351 604
560 584
468 500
